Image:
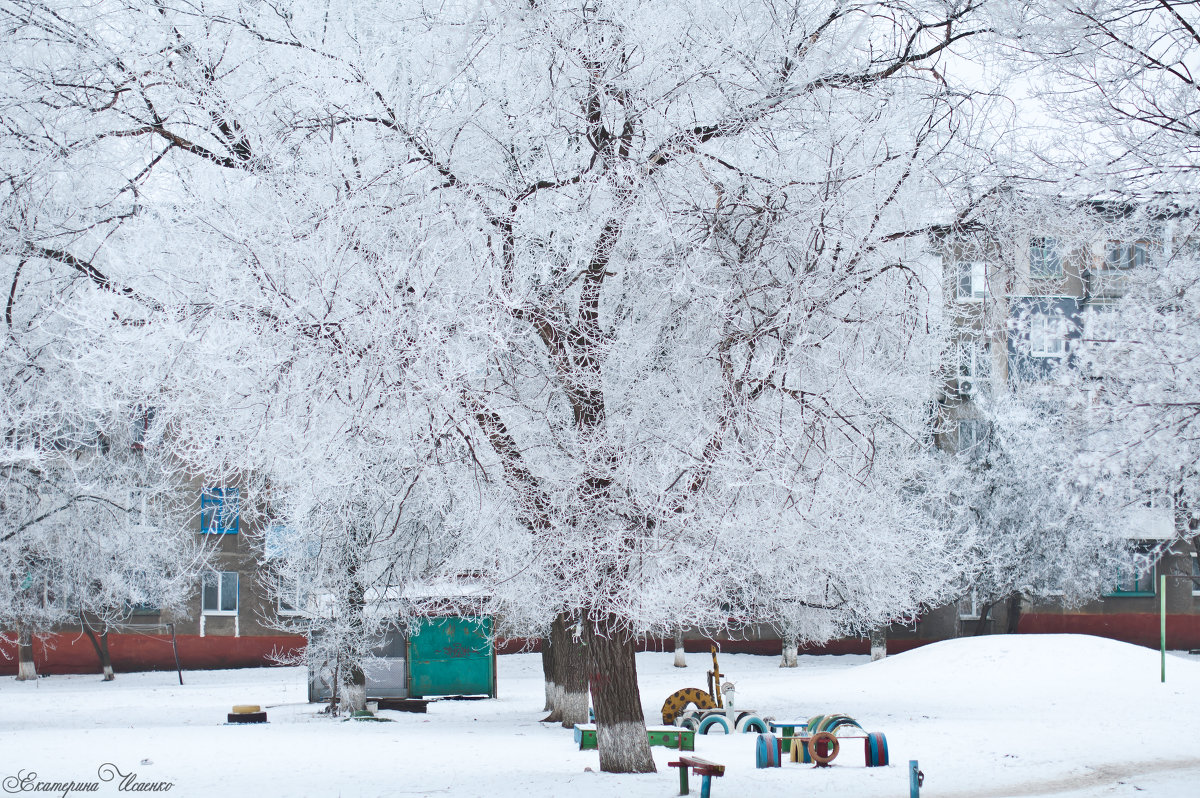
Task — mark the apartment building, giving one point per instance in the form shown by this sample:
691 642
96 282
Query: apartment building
1019 305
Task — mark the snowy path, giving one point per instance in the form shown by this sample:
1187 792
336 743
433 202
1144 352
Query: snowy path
1025 716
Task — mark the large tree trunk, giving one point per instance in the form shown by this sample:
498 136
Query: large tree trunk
878 643
680 657
25 668
790 649
100 644
981 623
354 685
548 672
558 646
1014 613
620 725
570 672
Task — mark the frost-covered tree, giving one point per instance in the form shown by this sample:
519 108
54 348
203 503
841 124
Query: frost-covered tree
1140 356
1121 75
1040 523
91 521
1125 73
643 284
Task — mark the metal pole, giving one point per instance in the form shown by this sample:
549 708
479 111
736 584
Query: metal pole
1162 618
914 780
175 648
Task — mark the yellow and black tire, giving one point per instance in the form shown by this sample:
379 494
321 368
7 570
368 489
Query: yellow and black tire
678 701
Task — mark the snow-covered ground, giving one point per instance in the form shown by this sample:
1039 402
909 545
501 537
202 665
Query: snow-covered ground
993 716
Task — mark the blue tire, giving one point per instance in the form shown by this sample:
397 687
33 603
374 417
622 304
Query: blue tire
877 753
752 724
766 752
713 720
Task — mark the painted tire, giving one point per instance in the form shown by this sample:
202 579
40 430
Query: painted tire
246 709
713 720
689 723
828 723
751 724
877 753
766 752
679 700
827 741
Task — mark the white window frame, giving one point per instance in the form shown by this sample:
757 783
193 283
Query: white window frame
971 612
1100 325
975 273
298 596
237 589
1195 560
973 367
981 427
1049 252
1041 327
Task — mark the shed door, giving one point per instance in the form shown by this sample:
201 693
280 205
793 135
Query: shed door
451 656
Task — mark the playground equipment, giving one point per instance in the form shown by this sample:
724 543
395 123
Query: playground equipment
700 767
817 741
665 736
712 709
246 713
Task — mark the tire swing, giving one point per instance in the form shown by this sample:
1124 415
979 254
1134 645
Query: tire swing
823 747
766 752
713 720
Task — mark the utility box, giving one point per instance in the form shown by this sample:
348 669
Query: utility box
447 655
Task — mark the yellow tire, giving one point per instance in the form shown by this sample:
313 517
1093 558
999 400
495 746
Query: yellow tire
246 709
678 701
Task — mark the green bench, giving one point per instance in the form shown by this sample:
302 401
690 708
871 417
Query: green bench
665 736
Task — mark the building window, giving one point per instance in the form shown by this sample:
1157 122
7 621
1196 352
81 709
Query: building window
1139 581
972 437
974 368
1100 325
1126 254
1047 335
1195 574
219 511
971 280
291 601
219 595
1045 260
968 606
143 417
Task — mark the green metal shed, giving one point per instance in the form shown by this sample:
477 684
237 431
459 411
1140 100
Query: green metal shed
443 655
451 655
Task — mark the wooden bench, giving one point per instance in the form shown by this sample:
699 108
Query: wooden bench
701 767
